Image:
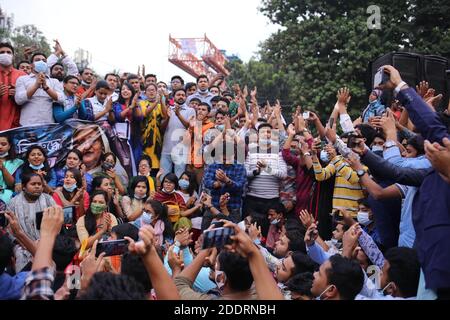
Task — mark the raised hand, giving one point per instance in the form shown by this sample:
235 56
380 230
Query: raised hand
343 95
422 88
306 218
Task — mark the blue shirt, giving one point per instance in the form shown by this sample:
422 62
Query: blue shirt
238 176
11 287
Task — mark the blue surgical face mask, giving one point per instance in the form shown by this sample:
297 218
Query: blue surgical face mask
324 156
220 127
40 66
39 167
70 188
147 218
184 184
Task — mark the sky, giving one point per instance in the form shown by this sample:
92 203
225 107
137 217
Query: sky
124 34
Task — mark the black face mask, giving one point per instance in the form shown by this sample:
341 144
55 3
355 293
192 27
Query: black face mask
31 196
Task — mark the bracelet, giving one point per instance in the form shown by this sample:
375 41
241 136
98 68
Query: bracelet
398 87
307 154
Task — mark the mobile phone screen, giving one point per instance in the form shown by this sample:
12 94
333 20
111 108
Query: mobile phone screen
112 248
39 219
217 237
69 213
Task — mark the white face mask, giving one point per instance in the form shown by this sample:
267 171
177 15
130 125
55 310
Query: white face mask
4 155
363 218
328 288
275 221
6 59
376 148
220 284
336 243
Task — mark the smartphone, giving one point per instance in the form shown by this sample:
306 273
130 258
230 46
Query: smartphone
380 78
39 219
218 237
69 214
306 115
107 166
3 219
112 248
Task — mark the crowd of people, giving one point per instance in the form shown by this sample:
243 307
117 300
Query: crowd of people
319 207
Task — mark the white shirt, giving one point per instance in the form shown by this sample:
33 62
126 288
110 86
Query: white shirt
98 107
39 108
175 129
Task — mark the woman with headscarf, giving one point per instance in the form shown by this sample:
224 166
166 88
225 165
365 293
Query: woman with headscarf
375 108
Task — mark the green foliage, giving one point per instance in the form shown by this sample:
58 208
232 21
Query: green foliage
324 45
27 36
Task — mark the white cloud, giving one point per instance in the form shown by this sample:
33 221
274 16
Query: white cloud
125 34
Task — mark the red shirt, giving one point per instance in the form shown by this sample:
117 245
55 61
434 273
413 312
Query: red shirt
9 110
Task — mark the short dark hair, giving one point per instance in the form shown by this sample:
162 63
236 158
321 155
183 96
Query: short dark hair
56 64
6 251
202 76
189 85
227 94
303 263
296 241
301 283
195 99
380 135
364 202
126 230
68 78
12 149
180 89
179 78
404 269
220 112
237 270
22 61
150 75
204 104
214 86
346 275
37 54
102 84
264 125
215 99
277 207
132 77
109 286
417 143
367 132
226 101
111 74
133 267
63 251
7 45
84 69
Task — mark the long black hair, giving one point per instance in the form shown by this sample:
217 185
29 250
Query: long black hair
79 182
172 177
12 151
161 211
89 219
135 182
121 99
26 165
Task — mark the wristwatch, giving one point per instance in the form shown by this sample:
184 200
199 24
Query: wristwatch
360 173
46 88
390 144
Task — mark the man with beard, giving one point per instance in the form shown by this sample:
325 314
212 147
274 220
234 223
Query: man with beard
179 116
58 61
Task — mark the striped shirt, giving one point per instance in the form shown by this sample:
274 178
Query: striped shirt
347 189
266 184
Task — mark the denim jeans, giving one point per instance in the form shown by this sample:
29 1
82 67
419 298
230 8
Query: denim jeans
167 164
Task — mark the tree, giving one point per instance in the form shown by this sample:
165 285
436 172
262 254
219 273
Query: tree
29 36
327 44
271 83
